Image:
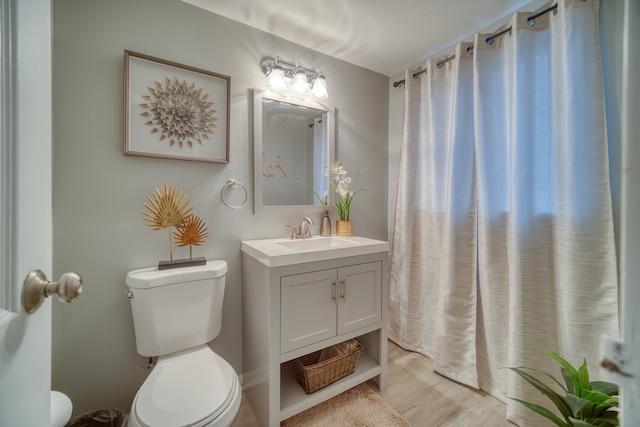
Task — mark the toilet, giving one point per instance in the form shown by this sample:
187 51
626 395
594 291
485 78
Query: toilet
176 312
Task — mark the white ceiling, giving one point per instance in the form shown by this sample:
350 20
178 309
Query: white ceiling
386 36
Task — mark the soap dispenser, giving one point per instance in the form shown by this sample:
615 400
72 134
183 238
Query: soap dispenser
325 226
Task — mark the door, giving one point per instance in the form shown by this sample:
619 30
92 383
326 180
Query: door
307 308
360 289
25 339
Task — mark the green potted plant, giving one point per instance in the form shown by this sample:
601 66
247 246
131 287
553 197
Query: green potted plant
585 403
322 201
343 186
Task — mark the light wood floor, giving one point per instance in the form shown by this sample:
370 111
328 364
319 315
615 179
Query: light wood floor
424 398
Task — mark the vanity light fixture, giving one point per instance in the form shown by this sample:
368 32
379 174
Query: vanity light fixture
319 88
276 77
301 80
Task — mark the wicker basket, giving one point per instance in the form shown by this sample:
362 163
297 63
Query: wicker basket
313 376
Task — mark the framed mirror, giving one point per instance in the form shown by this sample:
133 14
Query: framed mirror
293 141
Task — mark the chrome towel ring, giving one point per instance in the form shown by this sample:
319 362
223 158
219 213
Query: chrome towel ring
232 183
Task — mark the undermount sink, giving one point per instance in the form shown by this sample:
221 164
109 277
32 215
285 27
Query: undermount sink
282 251
318 243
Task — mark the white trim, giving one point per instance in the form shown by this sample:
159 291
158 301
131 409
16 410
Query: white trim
9 299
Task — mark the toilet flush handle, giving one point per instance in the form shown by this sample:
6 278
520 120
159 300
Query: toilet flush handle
37 287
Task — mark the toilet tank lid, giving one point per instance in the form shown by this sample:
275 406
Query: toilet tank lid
152 277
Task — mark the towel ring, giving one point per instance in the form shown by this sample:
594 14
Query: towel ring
231 183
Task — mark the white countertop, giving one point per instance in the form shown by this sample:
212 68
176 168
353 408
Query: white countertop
282 251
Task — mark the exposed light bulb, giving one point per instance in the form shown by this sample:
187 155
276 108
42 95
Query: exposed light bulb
319 89
276 79
300 83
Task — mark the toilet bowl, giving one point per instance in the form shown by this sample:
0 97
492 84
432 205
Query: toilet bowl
193 388
61 409
176 312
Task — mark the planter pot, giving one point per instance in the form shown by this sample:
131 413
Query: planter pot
343 227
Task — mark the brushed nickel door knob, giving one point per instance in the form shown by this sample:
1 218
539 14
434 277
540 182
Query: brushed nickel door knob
37 287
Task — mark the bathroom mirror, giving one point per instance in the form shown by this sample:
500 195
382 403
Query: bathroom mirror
293 143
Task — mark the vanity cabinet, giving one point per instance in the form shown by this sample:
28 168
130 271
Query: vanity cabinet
292 310
323 304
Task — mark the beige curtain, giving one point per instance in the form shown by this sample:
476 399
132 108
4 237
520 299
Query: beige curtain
503 241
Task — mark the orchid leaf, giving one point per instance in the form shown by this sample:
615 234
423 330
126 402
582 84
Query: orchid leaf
343 187
321 200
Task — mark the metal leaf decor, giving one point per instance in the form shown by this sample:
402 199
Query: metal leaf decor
179 111
191 232
167 208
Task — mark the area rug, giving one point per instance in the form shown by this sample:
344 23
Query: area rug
358 407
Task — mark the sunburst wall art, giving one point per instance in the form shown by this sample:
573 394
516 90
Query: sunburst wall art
167 207
175 111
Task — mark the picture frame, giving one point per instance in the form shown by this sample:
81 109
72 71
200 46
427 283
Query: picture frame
175 111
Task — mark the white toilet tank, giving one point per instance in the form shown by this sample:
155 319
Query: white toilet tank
176 309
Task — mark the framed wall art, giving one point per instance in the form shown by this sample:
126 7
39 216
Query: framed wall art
175 111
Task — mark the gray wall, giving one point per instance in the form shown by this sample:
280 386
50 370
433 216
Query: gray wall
98 192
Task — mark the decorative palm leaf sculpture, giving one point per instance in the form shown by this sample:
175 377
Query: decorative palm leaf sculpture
167 208
191 232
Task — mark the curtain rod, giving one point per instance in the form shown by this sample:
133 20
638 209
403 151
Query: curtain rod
488 40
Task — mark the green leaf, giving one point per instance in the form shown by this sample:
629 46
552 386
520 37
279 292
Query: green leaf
609 419
551 394
577 404
604 422
321 200
580 423
599 422
601 403
583 376
586 404
568 380
551 377
573 373
544 412
607 388
599 397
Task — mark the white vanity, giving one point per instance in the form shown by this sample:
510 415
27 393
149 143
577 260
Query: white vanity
300 296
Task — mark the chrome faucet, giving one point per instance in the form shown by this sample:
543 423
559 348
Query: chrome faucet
301 231
304 227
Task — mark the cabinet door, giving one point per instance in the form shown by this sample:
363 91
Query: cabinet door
307 309
360 296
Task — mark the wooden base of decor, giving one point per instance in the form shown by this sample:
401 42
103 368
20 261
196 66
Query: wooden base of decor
178 263
343 227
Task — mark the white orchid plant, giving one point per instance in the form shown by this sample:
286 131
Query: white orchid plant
321 200
343 186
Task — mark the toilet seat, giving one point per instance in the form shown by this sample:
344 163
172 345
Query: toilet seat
190 388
